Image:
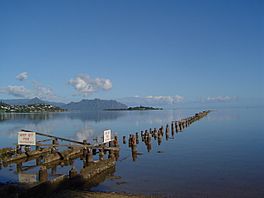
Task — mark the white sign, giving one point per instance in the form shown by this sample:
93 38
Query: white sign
26 138
27 178
107 136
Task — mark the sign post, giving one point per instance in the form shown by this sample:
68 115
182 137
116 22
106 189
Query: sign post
107 136
26 138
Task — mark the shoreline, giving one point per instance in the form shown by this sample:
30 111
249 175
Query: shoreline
15 190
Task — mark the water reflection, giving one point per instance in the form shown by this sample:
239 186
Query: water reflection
12 131
211 156
27 116
77 125
85 133
80 125
224 115
96 116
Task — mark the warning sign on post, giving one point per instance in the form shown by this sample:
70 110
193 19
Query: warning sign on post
27 178
26 138
107 136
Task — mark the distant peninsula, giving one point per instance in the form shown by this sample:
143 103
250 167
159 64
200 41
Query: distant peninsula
138 108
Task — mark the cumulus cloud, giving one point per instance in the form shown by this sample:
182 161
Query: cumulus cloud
37 90
221 99
22 76
43 92
85 85
17 91
106 84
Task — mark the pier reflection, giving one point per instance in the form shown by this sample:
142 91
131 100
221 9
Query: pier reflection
96 116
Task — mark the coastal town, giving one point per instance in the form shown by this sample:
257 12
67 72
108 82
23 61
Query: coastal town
31 108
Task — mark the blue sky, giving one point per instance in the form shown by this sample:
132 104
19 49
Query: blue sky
173 51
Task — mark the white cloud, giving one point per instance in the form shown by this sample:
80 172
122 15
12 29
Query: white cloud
35 90
166 99
221 98
43 92
17 91
22 76
106 84
38 90
85 85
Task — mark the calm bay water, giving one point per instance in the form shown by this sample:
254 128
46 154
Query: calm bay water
221 155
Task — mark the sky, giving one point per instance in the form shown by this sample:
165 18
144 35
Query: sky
133 50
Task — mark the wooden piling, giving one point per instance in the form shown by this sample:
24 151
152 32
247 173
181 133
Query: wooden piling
134 147
142 136
89 155
159 138
167 136
124 139
43 174
101 154
149 146
73 172
111 154
161 130
167 129
130 141
180 126
172 128
177 128
115 141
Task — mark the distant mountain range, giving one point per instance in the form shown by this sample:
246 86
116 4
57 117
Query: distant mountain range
83 105
31 101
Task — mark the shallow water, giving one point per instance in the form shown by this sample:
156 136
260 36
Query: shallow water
220 155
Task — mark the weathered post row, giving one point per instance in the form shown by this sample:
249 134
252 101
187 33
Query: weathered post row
158 134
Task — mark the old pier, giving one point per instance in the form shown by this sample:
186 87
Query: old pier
49 153
158 134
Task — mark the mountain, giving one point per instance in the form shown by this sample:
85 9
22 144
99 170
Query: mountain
35 100
83 105
16 101
94 105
